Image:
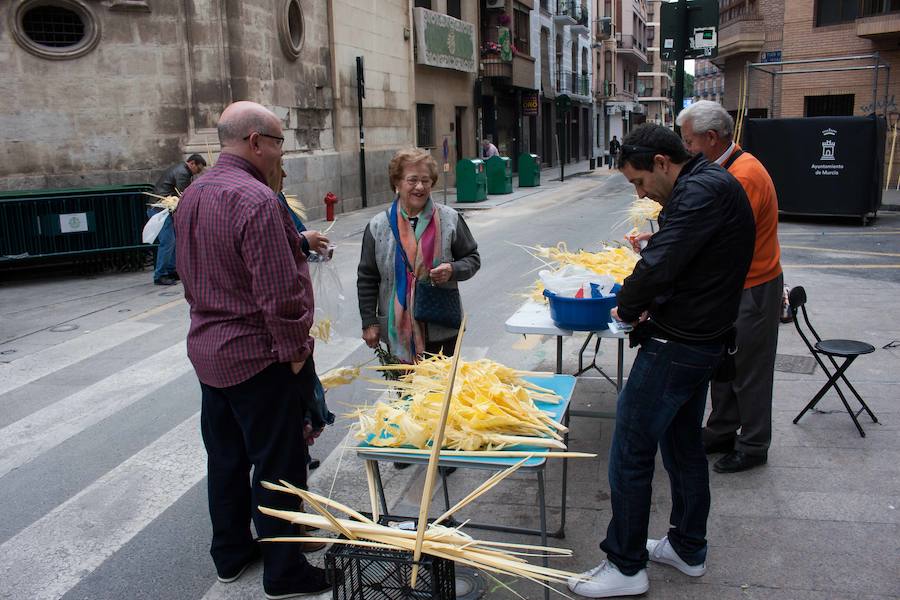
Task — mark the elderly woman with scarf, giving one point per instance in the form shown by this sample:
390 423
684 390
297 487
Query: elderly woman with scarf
438 247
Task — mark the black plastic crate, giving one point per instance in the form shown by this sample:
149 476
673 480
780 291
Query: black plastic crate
379 574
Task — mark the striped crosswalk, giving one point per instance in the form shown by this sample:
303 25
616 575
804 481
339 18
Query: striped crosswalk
52 555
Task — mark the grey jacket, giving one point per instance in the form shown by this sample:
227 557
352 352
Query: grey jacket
375 275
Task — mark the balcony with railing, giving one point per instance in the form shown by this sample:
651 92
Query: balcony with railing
741 28
570 12
570 82
629 45
878 19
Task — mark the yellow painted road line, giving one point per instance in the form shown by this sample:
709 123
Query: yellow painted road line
855 252
841 266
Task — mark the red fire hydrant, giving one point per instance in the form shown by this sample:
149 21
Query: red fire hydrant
330 200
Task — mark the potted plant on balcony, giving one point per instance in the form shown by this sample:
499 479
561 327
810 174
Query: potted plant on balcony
490 49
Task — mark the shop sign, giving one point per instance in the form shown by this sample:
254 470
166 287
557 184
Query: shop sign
442 41
530 104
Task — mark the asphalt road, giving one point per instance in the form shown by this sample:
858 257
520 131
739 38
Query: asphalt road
102 471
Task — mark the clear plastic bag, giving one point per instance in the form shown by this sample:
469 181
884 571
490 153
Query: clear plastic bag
329 298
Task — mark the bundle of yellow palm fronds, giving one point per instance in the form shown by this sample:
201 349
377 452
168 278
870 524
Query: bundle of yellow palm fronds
615 261
170 203
296 206
491 407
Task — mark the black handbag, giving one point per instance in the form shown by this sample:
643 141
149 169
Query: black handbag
433 304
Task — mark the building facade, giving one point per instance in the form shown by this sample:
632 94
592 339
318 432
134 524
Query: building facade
779 30
445 72
623 53
709 81
112 93
656 80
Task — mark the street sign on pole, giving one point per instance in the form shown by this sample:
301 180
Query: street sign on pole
700 32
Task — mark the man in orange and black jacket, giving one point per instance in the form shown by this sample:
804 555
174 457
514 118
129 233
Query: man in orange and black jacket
746 402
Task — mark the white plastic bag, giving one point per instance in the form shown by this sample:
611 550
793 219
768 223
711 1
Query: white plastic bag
154 226
329 297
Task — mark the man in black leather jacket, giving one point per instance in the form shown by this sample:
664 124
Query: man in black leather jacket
172 183
682 299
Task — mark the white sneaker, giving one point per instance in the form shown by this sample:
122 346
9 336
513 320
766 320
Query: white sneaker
661 551
605 581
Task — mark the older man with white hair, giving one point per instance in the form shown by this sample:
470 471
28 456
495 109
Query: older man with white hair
746 402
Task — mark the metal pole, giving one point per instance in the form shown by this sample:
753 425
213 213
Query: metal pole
875 85
361 93
562 149
680 48
746 95
772 98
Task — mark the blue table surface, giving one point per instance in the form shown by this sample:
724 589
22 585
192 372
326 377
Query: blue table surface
563 385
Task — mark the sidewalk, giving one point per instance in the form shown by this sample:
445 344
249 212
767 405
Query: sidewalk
549 180
820 521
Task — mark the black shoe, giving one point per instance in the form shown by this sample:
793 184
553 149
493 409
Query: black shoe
255 555
314 464
723 447
738 461
314 583
165 280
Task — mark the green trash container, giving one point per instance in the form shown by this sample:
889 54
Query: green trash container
529 170
499 175
471 182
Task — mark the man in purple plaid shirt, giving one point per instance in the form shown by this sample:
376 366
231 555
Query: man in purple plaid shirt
247 282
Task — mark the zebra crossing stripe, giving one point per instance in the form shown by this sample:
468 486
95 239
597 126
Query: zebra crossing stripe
53 554
27 438
34 366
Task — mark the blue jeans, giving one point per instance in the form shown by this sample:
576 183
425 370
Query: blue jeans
661 406
165 254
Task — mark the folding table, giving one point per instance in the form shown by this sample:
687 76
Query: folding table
563 385
534 318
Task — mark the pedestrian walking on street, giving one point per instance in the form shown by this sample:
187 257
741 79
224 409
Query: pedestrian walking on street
682 300
414 240
746 402
173 182
247 283
614 147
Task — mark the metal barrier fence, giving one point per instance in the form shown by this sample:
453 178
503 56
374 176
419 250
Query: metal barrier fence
45 224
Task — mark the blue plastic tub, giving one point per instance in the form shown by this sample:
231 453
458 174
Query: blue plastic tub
581 314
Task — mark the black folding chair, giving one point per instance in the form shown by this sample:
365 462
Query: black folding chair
846 349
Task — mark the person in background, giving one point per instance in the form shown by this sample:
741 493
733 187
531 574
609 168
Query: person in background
251 304
746 402
682 300
614 147
315 421
172 182
488 149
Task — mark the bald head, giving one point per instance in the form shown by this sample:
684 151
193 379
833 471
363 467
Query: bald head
241 119
253 132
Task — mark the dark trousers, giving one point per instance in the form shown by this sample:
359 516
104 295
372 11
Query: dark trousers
661 406
165 254
746 402
257 423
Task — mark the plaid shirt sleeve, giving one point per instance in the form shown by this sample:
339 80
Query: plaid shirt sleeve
278 282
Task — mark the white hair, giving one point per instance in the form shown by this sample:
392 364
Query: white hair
707 116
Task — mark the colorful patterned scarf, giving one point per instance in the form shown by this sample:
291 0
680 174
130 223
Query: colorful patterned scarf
422 250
